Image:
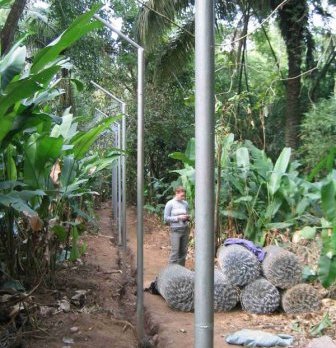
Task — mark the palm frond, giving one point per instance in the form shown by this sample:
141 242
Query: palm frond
225 9
158 16
176 55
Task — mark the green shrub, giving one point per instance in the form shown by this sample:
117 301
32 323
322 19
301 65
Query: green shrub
318 132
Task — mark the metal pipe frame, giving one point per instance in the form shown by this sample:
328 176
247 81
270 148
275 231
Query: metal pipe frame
116 184
114 190
204 179
140 196
114 179
122 216
103 113
107 92
119 189
140 174
117 31
116 173
123 178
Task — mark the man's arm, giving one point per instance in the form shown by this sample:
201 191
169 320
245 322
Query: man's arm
187 206
168 218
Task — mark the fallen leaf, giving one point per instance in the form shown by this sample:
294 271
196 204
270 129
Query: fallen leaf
68 340
74 329
36 223
55 172
64 305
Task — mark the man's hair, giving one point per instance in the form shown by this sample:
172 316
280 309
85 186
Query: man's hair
179 189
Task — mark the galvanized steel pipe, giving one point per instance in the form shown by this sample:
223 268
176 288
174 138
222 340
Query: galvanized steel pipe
140 174
204 185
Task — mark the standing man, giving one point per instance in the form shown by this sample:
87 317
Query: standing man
176 215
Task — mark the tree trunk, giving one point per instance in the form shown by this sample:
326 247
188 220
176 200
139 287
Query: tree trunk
66 99
293 16
293 112
8 30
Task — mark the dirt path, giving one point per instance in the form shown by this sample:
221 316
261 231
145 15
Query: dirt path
176 329
104 315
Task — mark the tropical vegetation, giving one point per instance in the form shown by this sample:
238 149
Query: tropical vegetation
47 171
275 125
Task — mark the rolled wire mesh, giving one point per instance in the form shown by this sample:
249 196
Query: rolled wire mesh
226 295
176 285
260 297
300 298
239 265
281 267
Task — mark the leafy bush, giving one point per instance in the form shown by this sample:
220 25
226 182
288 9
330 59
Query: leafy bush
45 170
318 132
255 194
325 228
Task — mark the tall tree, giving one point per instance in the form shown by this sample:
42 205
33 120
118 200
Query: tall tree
157 15
293 20
9 29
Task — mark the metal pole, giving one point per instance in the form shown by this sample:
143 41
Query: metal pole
112 194
112 188
115 181
119 189
140 194
123 166
109 25
204 185
140 175
107 92
103 113
123 240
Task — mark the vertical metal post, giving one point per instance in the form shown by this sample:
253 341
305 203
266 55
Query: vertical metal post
123 166
119 189
140 175
204 194
115 177
122 218
112 192
115 181
140 194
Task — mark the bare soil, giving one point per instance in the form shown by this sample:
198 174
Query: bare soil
176 329
105 315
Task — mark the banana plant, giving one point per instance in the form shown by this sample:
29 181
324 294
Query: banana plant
263 195
30 150
187 174
325 230
255 194
327 262
24 92
23 89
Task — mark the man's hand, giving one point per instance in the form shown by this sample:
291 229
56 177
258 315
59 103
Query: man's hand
184 217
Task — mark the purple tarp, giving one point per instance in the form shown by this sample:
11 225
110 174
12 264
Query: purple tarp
257 251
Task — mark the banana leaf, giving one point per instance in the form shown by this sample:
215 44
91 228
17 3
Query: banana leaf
76 30
279 170
12 64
